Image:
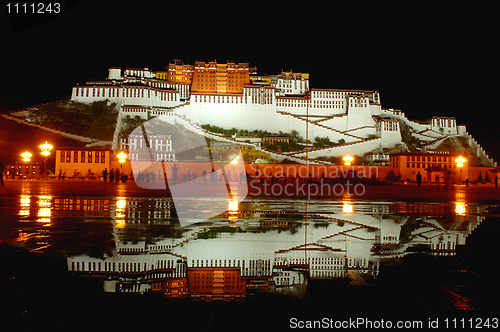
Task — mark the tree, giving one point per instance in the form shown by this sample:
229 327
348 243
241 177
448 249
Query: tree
294 136
480 178
392 177
487 178
322 142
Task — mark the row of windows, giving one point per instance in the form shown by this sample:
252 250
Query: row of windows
424 165
358 103
126 92
210 288
82 154
444 122
230 263
387 126
83 160
324 94
211 85
386 238
12 166
423 158
218 99
315 103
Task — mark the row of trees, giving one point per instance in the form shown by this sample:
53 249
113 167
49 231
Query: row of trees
484 179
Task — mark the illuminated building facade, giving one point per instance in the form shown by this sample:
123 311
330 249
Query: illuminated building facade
178 72
221 78
271 140
159 144
82 162
31 169
434 167
231 95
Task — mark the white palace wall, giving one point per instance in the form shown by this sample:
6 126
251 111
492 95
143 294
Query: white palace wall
338 123
130 95
286 123
230 111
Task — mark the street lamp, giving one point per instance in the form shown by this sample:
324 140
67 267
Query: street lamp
26 156
460 163
234 160
46 147
122 157
348 160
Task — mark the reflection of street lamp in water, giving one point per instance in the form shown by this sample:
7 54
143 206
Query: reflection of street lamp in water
460 206
347 207
233 209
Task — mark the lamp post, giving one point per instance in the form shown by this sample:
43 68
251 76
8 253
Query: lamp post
46 147
460 163
26 158
234 160
122 157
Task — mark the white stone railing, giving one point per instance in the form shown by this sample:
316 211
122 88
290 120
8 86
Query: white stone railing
479 149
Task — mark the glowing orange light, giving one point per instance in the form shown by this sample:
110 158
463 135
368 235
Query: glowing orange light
348 160
26 156
122 157
46 147
460 161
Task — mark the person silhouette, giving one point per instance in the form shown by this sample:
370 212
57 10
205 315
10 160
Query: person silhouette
174 174
1 172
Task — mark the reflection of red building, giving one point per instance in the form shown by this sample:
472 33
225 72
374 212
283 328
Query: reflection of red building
207 284
176 288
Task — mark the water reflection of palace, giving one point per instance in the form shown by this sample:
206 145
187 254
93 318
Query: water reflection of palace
267 246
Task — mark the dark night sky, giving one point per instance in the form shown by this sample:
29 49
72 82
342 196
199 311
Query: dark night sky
424 60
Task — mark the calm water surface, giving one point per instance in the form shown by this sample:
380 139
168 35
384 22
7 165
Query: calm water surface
262 259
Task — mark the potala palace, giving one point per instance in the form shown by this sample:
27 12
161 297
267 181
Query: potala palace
233 95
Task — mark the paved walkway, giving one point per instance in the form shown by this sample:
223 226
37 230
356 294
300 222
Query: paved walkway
472 194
